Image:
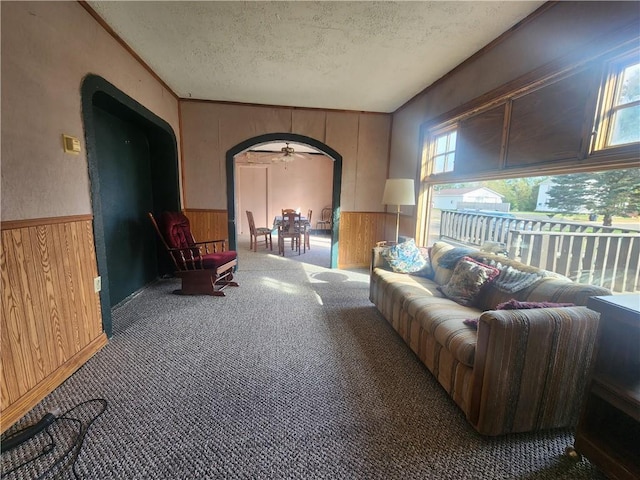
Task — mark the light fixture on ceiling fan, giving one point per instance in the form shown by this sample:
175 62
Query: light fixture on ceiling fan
287 154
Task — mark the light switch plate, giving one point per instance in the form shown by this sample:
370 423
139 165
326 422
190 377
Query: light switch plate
71 144
97 284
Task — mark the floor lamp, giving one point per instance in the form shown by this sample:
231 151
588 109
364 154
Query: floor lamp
399 191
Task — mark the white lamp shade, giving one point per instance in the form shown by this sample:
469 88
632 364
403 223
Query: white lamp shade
399 191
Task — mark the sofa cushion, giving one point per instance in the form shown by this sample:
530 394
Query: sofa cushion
459 340
405 257
442 318
441 275
467 279
427 270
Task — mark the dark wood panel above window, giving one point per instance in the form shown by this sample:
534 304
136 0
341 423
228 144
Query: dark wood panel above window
480 141
551 123
575 114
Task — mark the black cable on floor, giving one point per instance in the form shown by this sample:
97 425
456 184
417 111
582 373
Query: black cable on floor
71 453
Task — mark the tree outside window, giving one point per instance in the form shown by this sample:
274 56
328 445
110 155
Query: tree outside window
615 192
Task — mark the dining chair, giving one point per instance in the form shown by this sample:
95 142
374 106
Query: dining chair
256 232
286 211
289 228
325 219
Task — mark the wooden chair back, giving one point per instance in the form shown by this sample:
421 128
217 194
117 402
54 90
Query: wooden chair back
290 227
258 232
252 223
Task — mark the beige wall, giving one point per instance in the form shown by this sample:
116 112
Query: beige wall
210 129
47 50
304 184
563 29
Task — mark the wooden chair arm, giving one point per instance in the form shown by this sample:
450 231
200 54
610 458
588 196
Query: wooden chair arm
189 258
214 243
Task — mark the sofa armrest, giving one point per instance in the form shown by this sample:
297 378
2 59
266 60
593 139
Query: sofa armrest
531 368
377 260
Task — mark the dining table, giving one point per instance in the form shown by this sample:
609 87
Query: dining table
277 221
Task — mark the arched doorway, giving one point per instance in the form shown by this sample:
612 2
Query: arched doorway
133 169
294 138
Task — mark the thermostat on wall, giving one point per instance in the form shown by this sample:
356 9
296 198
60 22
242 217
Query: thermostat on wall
70 144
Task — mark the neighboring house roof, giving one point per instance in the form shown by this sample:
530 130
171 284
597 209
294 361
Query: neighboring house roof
463 191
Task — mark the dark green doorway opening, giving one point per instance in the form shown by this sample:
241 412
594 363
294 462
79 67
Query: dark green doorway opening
133 168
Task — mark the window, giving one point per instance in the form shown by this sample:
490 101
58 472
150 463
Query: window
443 151
621 115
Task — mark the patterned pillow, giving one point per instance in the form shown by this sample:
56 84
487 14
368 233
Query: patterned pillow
405 257
467 279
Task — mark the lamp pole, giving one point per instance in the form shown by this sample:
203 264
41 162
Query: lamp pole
398 191
397 223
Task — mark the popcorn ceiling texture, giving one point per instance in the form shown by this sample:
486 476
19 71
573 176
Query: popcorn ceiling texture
365 56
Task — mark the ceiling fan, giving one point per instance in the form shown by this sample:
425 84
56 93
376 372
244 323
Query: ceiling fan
285 155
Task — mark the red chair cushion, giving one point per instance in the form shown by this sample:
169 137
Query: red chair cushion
214 260
176 230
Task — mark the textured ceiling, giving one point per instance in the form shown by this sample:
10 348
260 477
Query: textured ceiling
366 56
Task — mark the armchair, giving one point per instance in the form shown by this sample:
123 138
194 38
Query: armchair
205 268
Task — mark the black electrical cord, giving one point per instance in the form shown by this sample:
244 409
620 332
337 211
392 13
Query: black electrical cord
21 436
43 425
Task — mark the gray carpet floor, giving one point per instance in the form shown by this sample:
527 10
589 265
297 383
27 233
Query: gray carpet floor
292 375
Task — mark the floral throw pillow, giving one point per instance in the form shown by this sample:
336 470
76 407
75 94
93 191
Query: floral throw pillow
405 257
467 279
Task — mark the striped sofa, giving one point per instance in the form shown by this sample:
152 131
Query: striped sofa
520 370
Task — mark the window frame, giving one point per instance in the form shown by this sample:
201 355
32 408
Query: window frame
605 113
429 151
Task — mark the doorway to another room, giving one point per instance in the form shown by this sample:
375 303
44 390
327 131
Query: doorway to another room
265 176
133 169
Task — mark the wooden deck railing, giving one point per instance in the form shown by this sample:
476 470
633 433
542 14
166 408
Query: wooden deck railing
586 253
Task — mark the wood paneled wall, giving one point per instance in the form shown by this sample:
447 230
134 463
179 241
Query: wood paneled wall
208 224
359 232
51 318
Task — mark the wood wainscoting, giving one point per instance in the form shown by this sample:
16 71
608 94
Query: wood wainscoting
359 232
51 318
208 224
